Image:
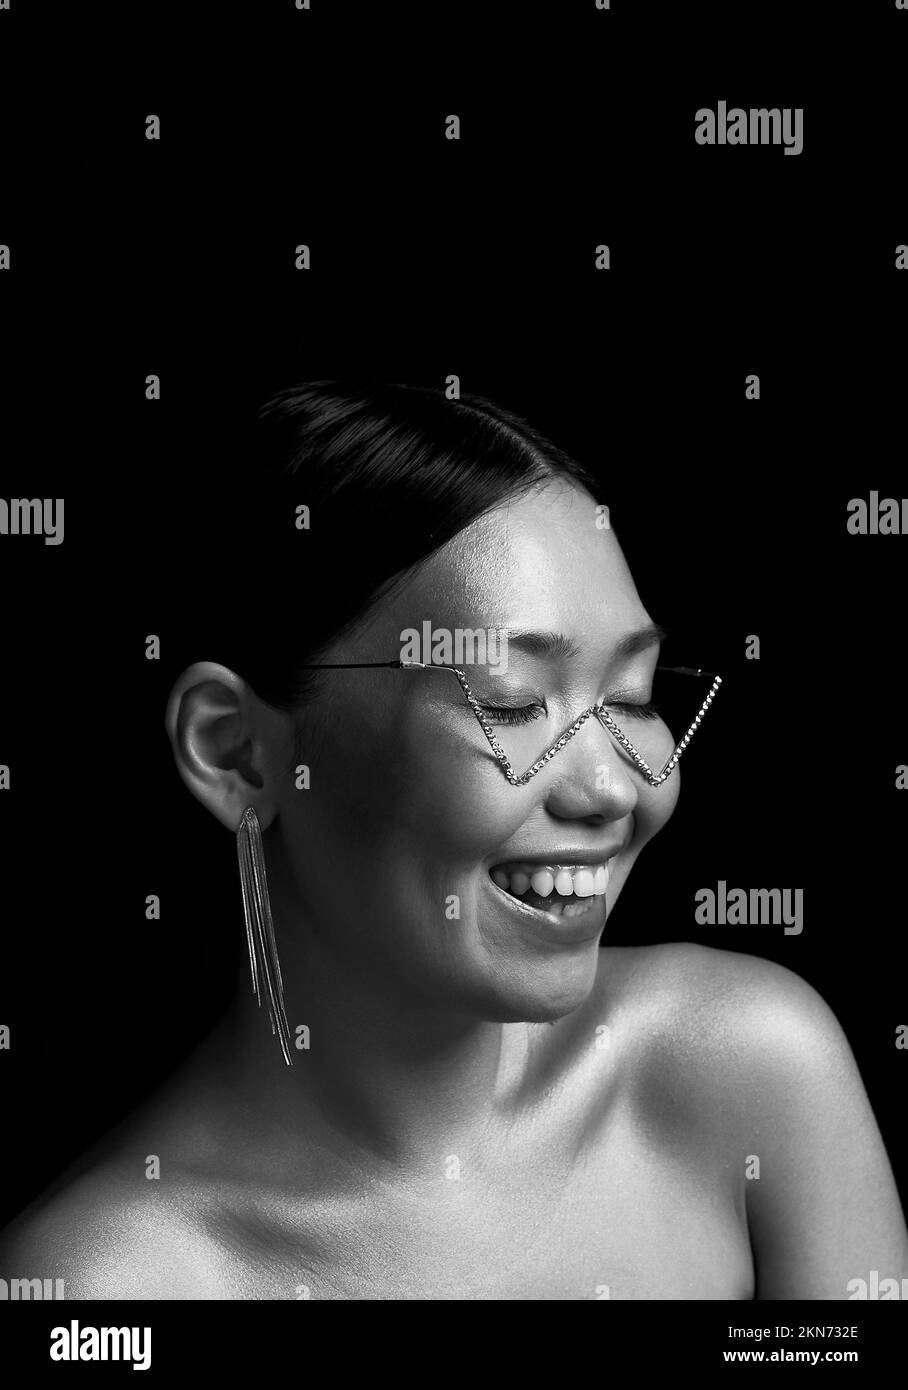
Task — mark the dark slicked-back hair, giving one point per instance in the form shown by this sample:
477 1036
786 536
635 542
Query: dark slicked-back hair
390 473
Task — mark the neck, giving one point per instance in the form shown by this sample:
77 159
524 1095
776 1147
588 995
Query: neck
381 1075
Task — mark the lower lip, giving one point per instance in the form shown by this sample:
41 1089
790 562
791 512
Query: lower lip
562 931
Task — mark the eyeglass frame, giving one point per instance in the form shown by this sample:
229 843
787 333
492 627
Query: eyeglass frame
654 779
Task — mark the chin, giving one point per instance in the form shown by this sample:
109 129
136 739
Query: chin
540 994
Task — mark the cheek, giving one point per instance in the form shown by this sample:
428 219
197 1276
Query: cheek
451 794
415 787
656 805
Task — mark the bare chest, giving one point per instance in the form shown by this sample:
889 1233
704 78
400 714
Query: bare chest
625 1221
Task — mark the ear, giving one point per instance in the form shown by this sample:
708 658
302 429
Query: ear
230 747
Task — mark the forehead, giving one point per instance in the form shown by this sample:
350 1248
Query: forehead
536 561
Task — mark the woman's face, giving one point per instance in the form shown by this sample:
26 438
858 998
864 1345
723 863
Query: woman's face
393 846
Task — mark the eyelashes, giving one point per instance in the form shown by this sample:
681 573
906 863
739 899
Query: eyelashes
647 711
514 714
526 714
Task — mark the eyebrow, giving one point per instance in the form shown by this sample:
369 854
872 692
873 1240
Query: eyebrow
555 646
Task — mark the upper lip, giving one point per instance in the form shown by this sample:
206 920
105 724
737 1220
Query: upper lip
572 854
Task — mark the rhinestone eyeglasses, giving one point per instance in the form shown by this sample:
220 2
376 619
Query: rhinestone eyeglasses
600 710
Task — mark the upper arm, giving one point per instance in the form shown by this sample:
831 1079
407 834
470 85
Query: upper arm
824 1210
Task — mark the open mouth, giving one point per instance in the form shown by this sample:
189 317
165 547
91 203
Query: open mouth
562 890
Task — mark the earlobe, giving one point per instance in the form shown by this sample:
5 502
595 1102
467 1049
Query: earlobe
215 730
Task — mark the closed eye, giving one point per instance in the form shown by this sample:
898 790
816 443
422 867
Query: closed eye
525 714
632 711
510 714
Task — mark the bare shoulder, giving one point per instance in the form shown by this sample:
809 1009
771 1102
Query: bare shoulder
731 1036
110 1233
736 1055
722 1000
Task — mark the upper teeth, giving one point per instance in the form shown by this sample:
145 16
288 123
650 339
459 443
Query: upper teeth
583 880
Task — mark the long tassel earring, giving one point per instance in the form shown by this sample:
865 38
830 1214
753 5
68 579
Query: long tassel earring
263 961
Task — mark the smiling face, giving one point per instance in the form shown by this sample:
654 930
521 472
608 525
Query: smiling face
410 849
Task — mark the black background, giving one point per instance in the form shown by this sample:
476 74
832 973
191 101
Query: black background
432 257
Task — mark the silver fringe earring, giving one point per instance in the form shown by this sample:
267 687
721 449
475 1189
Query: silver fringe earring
263 961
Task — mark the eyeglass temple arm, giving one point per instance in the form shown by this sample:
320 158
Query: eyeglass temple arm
443 666
373 665
356 665
688 671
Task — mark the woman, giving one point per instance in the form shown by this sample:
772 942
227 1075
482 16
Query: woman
461 1095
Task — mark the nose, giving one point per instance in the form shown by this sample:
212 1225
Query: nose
594 779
